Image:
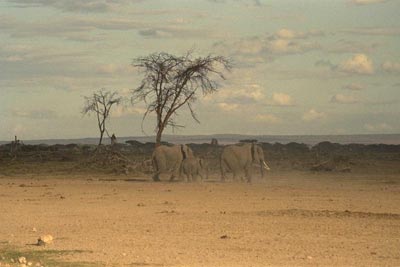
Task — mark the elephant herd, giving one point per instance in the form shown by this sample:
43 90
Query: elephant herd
179 159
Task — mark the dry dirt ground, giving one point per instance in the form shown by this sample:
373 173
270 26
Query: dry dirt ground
292 219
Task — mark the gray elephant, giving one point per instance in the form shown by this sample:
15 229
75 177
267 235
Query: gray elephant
194 167
169 159
240 158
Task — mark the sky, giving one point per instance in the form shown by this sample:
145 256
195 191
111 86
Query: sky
300 66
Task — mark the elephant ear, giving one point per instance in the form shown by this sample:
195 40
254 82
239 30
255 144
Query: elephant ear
253 151
201 163
183 151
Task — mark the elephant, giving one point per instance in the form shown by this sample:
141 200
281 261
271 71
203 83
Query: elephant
240 159
169 159
194 167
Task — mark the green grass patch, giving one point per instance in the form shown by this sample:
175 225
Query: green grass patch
47 258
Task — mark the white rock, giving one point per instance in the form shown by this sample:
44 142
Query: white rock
44 240
29 263
22 260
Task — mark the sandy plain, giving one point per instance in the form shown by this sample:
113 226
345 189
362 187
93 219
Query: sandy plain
287 219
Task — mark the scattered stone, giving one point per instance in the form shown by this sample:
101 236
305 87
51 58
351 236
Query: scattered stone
167 211
140 205
34 229
224 237
22 260
309 257
124 254
45 240
29 263
12 260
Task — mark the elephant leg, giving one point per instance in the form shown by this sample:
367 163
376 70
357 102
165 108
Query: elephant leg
248 173
157 168
156 177
201 176
223 175
175 173
234 175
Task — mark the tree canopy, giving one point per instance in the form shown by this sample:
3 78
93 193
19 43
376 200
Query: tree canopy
171 82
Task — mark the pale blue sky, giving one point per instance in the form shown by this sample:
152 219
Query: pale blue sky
301 66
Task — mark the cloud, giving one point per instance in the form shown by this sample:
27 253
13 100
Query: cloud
391 67
351 46
42 114
123 111
265 48
249 94
73 28
354 86
73 5
344 99
358 64
37 55
285 46
366 2
248 3
377 127
111 69
313 115
281 99
389 31
291 34
98 28
228 106
325 63
267 118
175 31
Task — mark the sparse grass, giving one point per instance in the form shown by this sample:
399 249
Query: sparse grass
47 258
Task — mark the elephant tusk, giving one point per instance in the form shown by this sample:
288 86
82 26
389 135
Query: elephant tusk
266 166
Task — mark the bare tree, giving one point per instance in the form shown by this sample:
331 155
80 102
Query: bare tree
100 103
171 82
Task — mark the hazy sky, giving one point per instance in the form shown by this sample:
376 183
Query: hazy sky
301 66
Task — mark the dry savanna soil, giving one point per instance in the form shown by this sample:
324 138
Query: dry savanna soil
286 219
325 205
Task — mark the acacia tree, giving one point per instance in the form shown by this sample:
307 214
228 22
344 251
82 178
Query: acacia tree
100 104
171 82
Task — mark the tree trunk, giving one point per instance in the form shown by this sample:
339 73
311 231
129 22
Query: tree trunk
101 138
158 137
